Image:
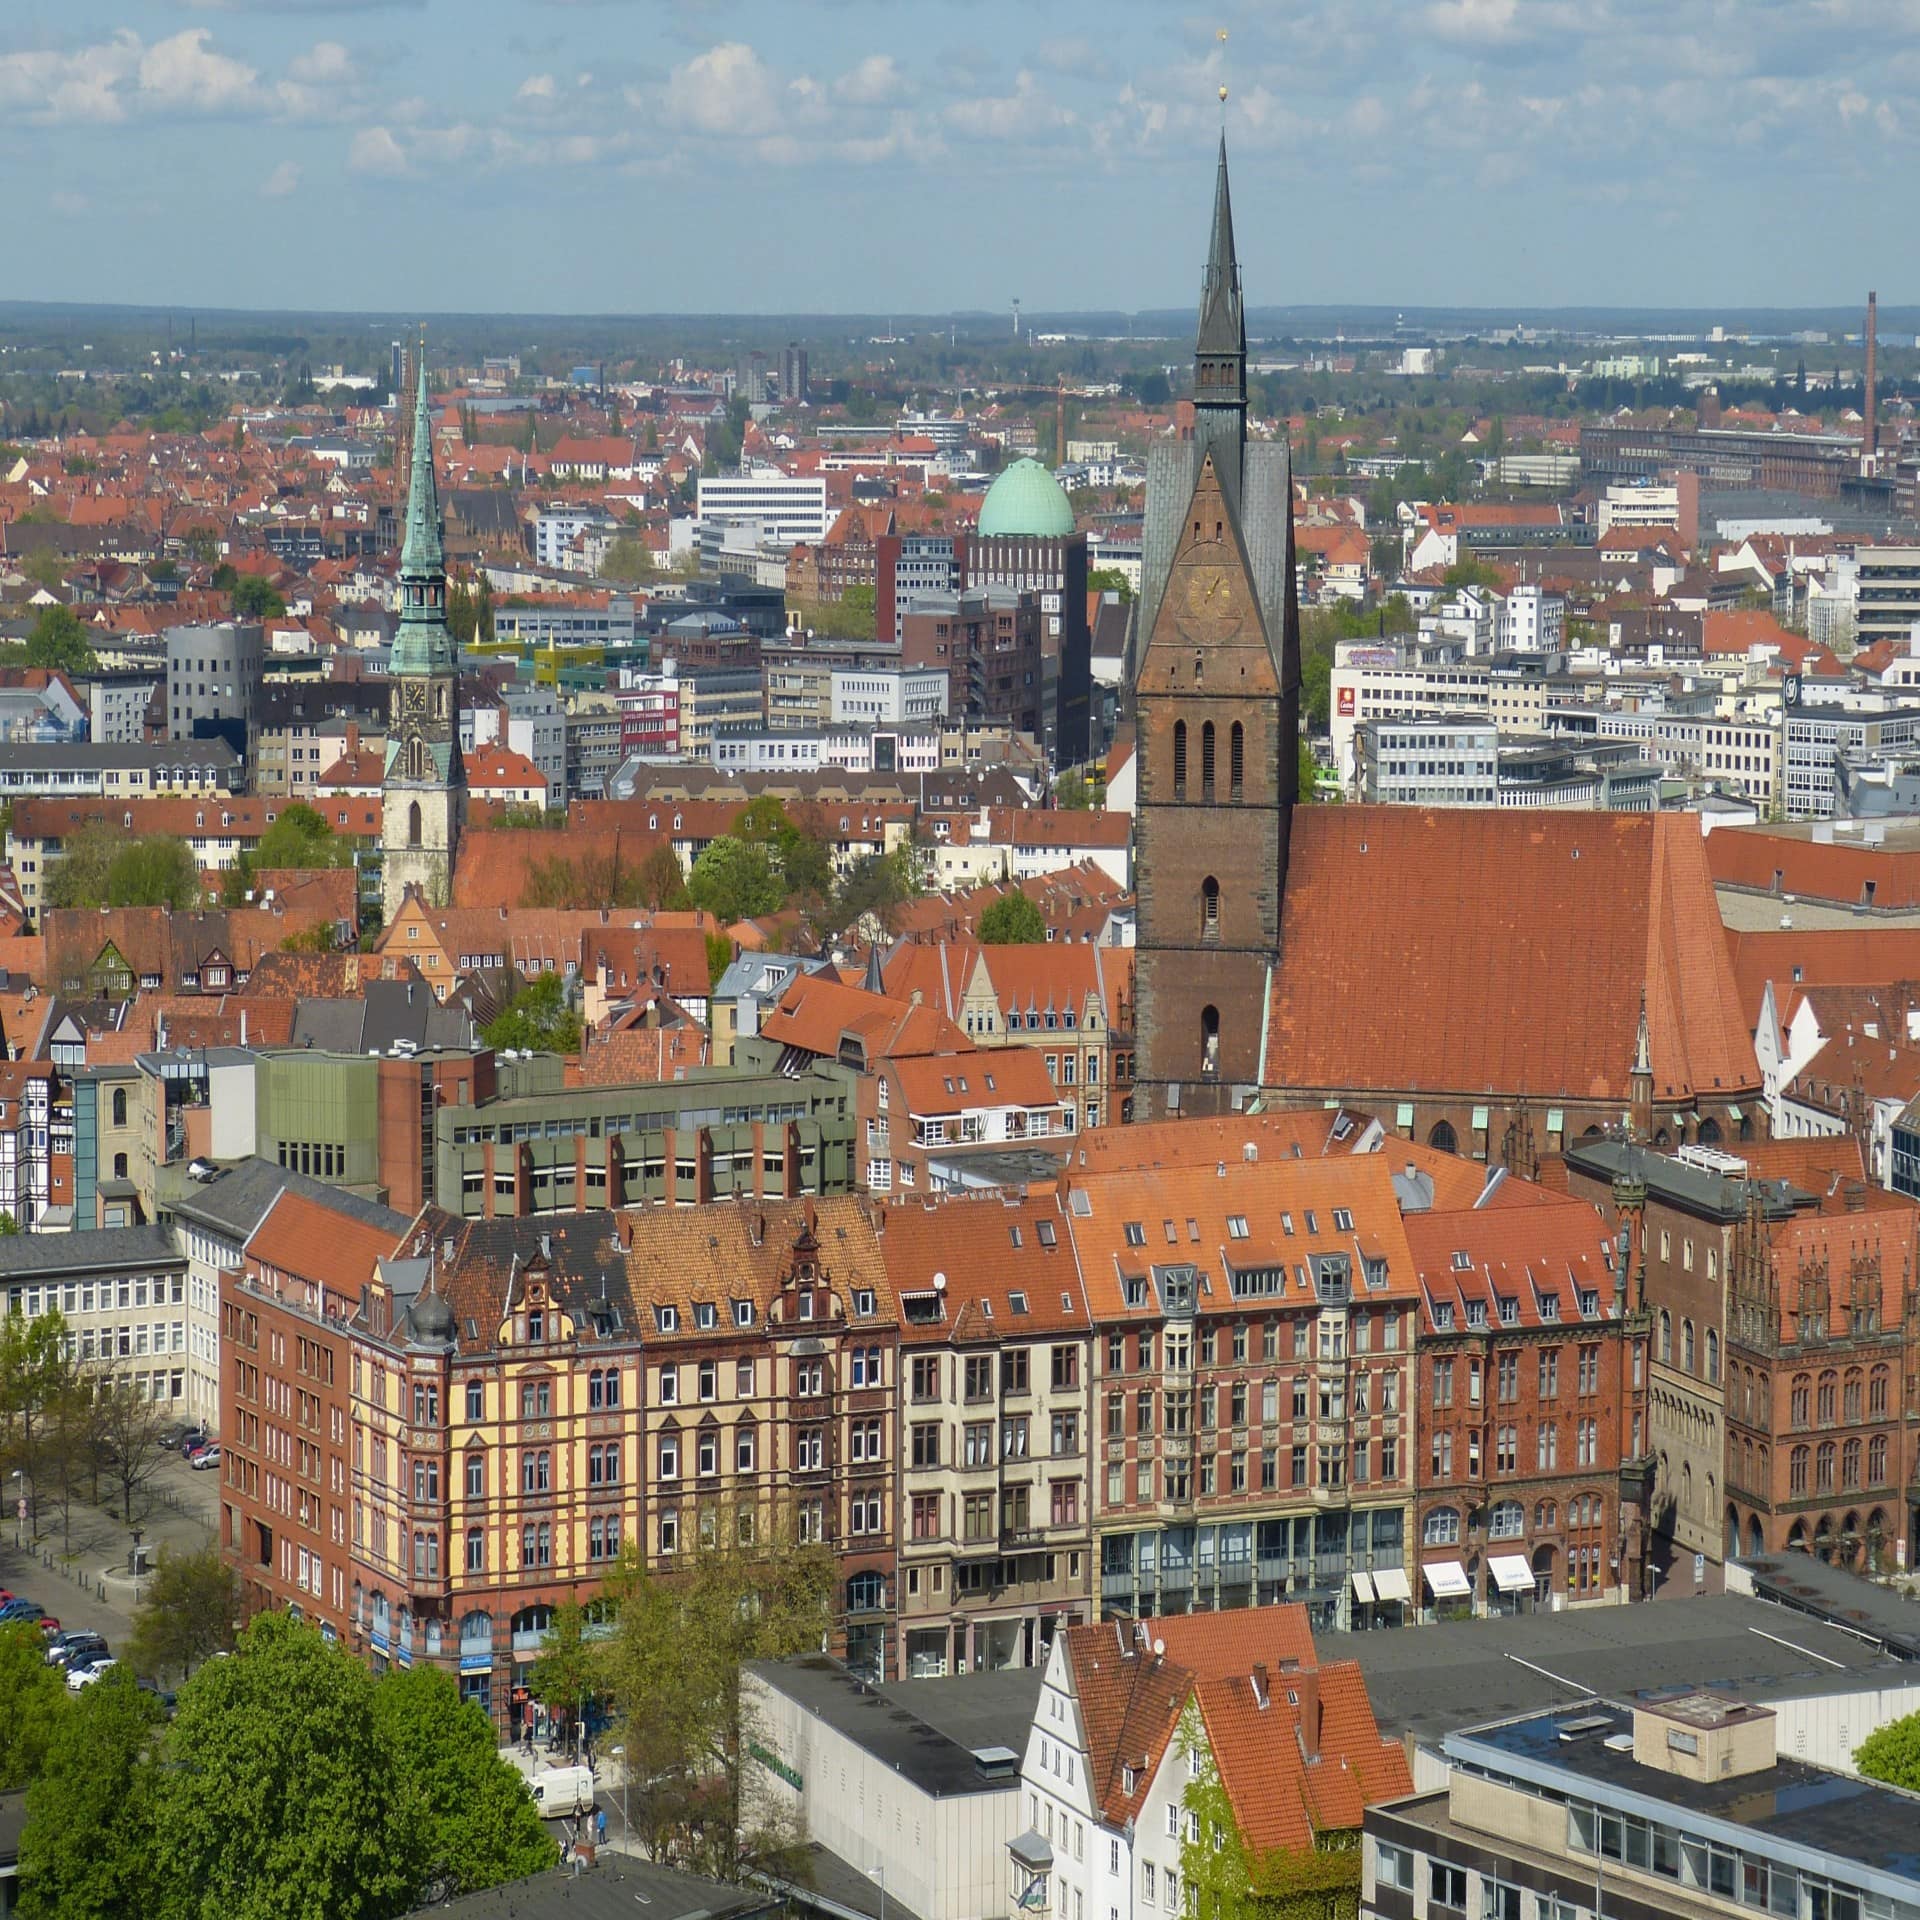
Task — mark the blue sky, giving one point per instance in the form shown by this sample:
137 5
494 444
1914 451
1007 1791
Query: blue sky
926 155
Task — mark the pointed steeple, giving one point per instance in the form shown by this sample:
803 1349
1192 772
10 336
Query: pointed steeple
1640 1081
421 555
423 645
1223 327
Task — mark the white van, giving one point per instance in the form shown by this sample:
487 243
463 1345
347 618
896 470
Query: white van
561 1792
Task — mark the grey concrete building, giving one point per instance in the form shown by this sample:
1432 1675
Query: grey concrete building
214 678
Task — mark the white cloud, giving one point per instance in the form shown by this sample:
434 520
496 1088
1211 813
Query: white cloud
875 82
324 64
282 181
727 89
184 75
376 151
1025 110
536 86
1475 19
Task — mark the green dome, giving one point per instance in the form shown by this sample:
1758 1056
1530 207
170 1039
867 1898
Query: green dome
1027 499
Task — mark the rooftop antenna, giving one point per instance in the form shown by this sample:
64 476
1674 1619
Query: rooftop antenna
1016 316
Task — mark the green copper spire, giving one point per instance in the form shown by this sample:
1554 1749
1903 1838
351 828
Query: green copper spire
423 644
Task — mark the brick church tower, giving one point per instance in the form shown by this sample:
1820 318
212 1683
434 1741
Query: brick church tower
1216 704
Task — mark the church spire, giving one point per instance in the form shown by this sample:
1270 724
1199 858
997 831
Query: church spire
1223 325
421 556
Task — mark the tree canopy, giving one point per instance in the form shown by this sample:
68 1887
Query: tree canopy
1110 580
734 880
1892 1754
100 867
58 638
538 1019
1013 921
300 838
187 1614
256 598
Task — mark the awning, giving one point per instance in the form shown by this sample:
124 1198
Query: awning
1363 1587
1734 1113
1032 1852
1390 1583
1480 1119
1403 1116
1511 1574
1448 1580
1556 1120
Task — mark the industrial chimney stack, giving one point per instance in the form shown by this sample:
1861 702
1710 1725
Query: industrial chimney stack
1872 444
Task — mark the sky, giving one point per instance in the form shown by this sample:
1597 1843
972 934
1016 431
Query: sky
927 156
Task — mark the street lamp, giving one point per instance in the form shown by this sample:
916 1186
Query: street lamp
19 1507
626 1831
878 1871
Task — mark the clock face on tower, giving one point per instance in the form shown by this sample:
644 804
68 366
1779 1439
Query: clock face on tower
1214 599
413 700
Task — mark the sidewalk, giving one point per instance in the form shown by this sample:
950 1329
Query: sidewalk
79 1571
608 1778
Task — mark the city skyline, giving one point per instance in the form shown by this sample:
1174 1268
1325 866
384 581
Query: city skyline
582 155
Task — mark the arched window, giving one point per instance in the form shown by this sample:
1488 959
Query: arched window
1877 1461
1709 1133
1686 1345
1713 1356
1507 1520
1850 1465
1179 759
1210 1041
1797 1470
1851 1398
1210 908
1442 1138
119 1166
1827 1398
1799 1400
1237 761
866 1593
1756 1540
1877 1393
1666 1334
1823 1468
1206 761
119 1106
1442 1527
413 823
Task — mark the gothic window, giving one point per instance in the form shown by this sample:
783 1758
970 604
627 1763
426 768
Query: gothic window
1828 1384
413 824
119 1106
1206 761
1799 1399
1709 1134
1851 1399
1179 759
1210 1042
1666 1334
1237 762
1713 1357
1210 908
1797 1470
1442 1138
1823 1465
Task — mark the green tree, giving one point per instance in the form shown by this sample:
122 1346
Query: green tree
1471 571
1013 921
538 1018
187 1615
157 871
58 638
719 957
869 898
803 857
300 839
1072 791
674 1663
478 1825
89 1841
1892 1753
1309 774
126 1422
1111 580
33 1696
567 1673
734 881
279 1800
662 882
627 561
256 598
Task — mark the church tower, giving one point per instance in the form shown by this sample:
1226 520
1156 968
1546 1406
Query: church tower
1216 704
424 796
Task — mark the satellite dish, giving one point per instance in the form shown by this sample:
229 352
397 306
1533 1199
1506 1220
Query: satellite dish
1159 1649
939 1283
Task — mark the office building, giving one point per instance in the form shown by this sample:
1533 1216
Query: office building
213 683
792 508
1449 762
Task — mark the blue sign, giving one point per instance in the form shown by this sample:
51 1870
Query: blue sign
476 1663
381 1644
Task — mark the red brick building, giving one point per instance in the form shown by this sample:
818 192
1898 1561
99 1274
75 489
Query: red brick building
1532 1378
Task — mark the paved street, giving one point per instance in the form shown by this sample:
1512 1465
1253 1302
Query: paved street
87 1583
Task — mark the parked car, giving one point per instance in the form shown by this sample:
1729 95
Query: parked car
49 1625
22 1610
206 1457
65 1648
78 1677
165 1695
194 1443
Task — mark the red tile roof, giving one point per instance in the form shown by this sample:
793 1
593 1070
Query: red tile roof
1839 872
1521 948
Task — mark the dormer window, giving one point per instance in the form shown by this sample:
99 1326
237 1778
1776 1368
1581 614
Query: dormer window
669 1319
743 1313
805 1299
703 1315
536 1325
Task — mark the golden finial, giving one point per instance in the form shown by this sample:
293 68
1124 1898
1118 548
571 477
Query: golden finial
1221 36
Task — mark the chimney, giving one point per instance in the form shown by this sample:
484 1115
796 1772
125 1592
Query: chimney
1871 444
1260 1695
353 738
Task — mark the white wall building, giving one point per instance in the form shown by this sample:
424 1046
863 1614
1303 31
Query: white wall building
1531 620
888 697
793 507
